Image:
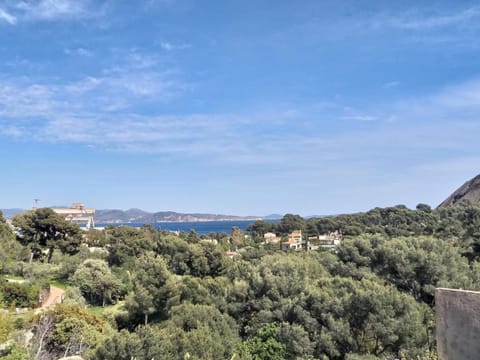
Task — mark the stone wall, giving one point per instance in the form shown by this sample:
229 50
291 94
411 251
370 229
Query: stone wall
458 324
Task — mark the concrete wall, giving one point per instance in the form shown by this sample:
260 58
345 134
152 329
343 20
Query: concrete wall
458 324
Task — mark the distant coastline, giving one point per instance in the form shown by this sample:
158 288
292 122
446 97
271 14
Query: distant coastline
181 221
130 216
200 227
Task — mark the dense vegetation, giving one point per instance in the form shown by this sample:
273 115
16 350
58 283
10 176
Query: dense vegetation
147 294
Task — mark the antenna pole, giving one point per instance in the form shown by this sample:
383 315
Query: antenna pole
35 203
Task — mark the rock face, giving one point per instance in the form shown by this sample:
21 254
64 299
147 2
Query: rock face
469 191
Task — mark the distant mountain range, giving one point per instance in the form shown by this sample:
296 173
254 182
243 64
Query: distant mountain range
141 216
469 191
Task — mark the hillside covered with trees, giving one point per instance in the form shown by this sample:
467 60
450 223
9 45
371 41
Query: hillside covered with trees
147 294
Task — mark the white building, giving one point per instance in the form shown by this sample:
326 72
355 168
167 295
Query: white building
271 238
78 214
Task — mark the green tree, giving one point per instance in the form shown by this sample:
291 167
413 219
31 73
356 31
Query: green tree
192 237
192 332
414 264
259 228
16 353
73 296
96 282
237 237
418 265
154 289
43 229
363 317
200 332
183 258
10 249
264 345
126 244
67 330
296 340
424 207
121 346
290 223
19 294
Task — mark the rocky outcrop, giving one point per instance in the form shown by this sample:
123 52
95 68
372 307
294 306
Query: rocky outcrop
470 191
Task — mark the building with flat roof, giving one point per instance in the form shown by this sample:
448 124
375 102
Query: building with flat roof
77 213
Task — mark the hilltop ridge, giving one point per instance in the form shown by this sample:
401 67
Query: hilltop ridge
136 215
469 191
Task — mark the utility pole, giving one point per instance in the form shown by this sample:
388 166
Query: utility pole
35 203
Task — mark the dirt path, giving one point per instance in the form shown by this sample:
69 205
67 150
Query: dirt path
55 297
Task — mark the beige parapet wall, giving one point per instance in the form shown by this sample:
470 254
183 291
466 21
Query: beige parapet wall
458 324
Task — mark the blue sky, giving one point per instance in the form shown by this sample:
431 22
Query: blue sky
268 106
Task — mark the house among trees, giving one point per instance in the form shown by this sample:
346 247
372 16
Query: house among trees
327 241
271 238
331 240
295 241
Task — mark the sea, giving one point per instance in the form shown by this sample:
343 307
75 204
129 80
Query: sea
200 227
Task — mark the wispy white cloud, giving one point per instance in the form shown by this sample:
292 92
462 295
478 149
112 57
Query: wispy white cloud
9 18
168 46
455 25
80 113
52 9
136 79
422 21
13 11
452 103
12 131
391 84
465 95
361 117
103 94
79 51
132 60
455 102
26 99
100 111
